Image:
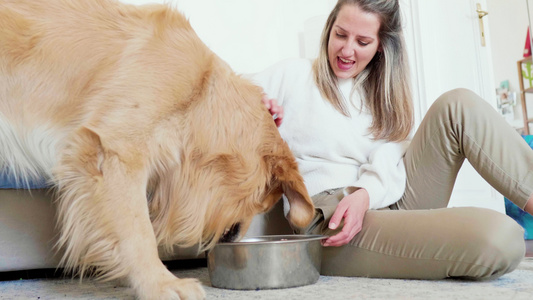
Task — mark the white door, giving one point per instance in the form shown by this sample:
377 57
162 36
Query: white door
444 44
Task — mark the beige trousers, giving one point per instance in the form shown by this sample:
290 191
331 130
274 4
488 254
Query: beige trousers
418 237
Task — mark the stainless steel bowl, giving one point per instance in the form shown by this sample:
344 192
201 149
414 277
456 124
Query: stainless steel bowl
266 262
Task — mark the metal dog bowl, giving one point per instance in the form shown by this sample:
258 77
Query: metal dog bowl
266 262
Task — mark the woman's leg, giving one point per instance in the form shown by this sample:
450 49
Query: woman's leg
461 125
463 242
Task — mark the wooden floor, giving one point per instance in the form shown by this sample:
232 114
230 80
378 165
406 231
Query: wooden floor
529 248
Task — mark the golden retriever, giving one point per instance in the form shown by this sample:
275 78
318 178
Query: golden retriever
149 138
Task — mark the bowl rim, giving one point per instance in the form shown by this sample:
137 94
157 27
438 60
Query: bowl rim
275 239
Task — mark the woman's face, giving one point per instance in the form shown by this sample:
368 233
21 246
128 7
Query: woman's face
353 41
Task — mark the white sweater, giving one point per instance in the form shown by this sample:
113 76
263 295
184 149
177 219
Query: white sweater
333 150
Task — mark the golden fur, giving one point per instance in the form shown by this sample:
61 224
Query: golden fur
120 106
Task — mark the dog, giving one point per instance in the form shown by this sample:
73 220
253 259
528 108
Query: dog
148 138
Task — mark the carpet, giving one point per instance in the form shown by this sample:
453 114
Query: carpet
515 285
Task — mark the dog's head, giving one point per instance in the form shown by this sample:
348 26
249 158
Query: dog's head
246 194
233 165
273 173
259 170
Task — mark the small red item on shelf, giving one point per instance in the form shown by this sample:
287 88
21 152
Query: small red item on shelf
527 48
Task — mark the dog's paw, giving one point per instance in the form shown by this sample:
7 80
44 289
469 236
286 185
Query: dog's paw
178 289
188 289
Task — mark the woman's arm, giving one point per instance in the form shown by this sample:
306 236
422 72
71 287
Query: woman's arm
381 183
383 175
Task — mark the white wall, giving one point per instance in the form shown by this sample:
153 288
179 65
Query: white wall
508 23
508 27
252 34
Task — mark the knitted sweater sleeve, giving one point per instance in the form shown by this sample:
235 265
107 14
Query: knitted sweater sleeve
383 176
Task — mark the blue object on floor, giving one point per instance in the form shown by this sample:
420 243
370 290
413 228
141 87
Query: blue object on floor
521 217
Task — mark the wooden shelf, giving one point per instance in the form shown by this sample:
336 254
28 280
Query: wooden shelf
523 92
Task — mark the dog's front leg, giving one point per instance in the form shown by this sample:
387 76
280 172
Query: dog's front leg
136 244
105 224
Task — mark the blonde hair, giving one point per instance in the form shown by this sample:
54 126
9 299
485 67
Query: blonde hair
384 83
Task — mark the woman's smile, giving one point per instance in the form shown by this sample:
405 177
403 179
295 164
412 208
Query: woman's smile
345 64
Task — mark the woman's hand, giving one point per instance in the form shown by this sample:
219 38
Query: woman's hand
275 110
352 209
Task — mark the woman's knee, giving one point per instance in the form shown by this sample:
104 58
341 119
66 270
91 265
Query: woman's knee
460 98
500 243
460 104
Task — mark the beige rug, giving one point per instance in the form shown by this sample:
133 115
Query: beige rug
516 285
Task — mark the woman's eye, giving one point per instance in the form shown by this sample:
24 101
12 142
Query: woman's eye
340 35
363 43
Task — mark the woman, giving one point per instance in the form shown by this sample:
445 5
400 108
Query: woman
380 197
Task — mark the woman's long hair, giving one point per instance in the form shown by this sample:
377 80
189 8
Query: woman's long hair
384 83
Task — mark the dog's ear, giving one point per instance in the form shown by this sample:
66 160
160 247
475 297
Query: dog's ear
285 173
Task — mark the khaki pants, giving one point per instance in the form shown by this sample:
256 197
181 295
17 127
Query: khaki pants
418 237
